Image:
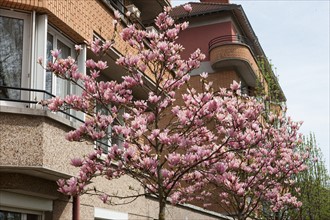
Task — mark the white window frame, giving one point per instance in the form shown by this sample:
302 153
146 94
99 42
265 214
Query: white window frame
57 36
26 55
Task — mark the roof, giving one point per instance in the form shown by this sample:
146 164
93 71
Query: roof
200 8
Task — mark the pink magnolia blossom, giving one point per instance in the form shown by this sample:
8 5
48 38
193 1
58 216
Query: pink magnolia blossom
117 14
104 198
39 61
187 8
77 162
55 53
78 48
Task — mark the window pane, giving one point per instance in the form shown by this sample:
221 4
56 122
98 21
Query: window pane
4 215
32 217
66 51
62 85
105 142
7 215
49 79
11 44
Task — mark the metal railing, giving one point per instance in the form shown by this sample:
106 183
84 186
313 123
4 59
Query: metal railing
228 39
45 95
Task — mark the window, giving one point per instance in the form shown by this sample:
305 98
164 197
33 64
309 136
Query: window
117 4
110 139
9 215
105 142
55 85
14 53
246 90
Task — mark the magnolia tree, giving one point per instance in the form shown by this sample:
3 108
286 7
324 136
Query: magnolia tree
312 188
174 143
259 165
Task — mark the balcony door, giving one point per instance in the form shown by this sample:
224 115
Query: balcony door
14 54
55 85
55 40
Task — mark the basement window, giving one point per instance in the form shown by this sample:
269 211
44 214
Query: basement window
9 215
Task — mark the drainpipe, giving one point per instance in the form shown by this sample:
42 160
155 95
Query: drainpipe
76 208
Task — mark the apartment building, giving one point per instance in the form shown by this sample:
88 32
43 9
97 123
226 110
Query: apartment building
223 32
33 151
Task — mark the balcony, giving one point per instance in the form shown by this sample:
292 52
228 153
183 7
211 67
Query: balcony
235 51
32 138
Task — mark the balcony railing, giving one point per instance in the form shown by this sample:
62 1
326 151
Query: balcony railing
228 39
45 95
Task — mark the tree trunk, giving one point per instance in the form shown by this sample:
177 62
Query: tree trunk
240 217
162 205
277 216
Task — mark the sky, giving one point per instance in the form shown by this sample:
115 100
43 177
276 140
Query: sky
294 34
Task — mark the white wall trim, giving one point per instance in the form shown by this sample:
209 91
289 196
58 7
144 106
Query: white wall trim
201 210
109 214
40 51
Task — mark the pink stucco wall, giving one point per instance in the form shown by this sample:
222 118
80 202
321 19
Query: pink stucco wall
199 37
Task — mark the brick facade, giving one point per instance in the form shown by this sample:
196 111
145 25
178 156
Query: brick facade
78 20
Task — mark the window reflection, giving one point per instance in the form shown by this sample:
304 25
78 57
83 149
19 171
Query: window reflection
62 86
11 44
7 215
49 80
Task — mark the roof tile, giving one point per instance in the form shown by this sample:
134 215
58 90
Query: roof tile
199 8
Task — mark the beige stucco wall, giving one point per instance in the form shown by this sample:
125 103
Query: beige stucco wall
21 140
30 140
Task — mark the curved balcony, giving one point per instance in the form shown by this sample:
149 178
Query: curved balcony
32 138
234 51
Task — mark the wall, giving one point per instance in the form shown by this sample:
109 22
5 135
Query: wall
36 141
76 19
199 37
